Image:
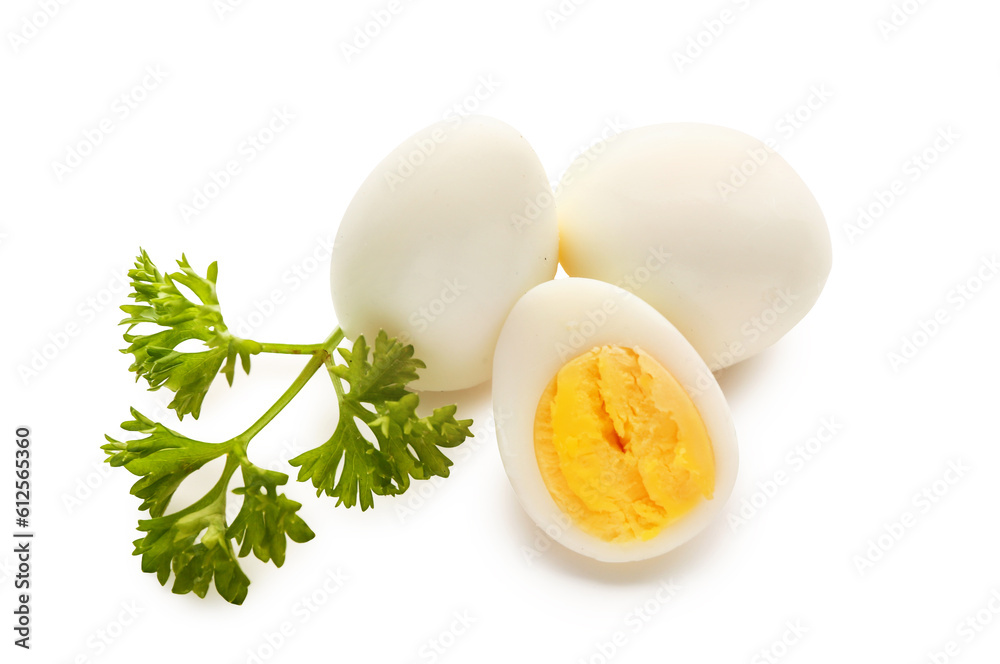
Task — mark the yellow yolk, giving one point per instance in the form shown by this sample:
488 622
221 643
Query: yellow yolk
621 447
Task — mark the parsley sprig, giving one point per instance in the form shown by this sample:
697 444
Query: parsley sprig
160 302
408 445
197 543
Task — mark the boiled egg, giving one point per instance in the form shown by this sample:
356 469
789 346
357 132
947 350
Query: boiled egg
440 241
613 432
707 224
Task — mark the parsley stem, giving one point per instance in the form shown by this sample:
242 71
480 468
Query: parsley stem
291 349
216 495
337 385
319 356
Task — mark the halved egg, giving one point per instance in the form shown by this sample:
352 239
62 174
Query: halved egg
612 429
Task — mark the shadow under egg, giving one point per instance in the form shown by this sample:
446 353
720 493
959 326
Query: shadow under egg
536 548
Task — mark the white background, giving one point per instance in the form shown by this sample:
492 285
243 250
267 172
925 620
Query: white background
464 546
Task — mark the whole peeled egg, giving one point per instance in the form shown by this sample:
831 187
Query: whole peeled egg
613 432
441 240
707 224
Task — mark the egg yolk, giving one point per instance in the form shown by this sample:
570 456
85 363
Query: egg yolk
620 445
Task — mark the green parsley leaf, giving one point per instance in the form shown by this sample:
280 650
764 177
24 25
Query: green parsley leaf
194 545
162 460
267 517
352 469
196 542
160 302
